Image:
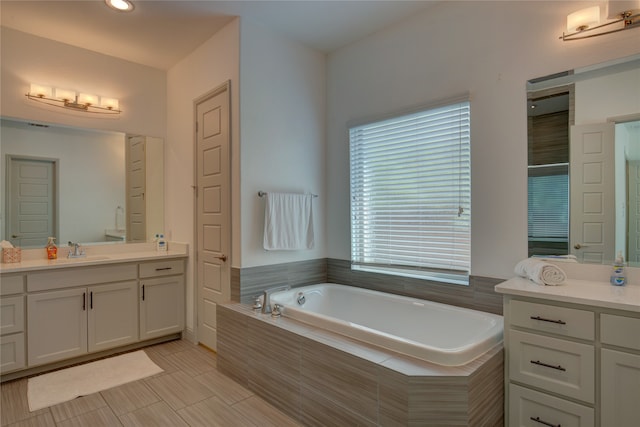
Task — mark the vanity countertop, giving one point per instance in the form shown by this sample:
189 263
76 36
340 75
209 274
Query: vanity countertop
593 293
95 255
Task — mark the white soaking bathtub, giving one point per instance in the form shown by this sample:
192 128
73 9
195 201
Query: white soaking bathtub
434 332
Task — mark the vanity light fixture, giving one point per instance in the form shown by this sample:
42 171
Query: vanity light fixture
120 5
84 102
586 23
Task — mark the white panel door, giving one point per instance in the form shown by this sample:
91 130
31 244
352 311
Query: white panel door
592 184
633 211
213 210
31 201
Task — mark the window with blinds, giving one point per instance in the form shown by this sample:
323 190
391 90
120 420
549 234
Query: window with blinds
548 204
411 194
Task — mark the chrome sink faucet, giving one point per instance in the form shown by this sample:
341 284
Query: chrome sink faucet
266 302
76 251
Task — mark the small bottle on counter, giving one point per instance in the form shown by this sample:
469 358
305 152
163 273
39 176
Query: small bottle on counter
52 249
618 274
161 244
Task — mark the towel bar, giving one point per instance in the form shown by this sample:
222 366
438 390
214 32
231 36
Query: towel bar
264 193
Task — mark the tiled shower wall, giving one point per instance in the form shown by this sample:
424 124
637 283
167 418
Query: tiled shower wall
247 283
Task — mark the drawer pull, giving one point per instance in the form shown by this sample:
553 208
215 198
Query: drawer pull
542 319
538 420
164 268
537 362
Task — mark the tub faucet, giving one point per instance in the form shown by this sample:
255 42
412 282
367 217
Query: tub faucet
266 301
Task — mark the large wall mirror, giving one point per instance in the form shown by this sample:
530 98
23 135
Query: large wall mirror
584 162
79 185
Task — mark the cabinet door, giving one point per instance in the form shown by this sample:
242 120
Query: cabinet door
620 389
161 306
57 325
113 315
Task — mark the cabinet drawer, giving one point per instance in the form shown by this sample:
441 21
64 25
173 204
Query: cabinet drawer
531 408
162 268
12 355
560 366
11 284
557 320
620 330
76 276
11 314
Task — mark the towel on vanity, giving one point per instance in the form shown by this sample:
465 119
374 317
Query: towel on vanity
288 222
540 272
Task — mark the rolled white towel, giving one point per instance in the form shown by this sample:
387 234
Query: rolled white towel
540 272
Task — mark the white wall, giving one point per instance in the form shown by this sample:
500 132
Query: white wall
29 59
282 107
489 49
212 64
91 175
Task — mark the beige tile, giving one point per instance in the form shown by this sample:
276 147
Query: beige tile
103 417
262 414
224 387
212 413
157 415
170 347
78 406
129 397
178 389
42 420
192 361
14 403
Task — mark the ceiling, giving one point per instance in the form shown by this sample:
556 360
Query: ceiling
160 33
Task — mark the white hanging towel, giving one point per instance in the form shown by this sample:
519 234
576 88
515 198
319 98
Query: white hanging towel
288 222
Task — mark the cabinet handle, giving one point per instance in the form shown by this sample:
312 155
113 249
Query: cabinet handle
142 292
538 420
84 301
164 268
91 300
559 367
542 319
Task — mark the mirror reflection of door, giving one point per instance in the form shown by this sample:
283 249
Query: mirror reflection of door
136 189
593 204
31 200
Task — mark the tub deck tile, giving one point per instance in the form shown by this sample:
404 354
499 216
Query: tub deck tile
350 381
274 365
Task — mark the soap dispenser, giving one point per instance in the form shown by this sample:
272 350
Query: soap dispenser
52 249
618 274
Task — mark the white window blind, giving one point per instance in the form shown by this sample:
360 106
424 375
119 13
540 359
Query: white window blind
549 203
411 195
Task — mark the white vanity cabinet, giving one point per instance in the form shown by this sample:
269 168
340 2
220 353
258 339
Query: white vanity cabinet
12 323
571 364
161 298
74 320
620 373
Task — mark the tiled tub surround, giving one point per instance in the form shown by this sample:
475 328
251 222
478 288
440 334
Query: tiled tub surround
446 335
322 378
247 283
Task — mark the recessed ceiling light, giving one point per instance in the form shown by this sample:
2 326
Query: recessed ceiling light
120 5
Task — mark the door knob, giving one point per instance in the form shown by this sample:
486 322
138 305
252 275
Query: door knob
15 236
222 257
579 246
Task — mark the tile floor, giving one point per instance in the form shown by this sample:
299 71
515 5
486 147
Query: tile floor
190 392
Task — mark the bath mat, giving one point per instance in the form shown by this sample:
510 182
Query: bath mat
67 384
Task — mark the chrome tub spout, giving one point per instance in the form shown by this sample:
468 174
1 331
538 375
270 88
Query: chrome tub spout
266 300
